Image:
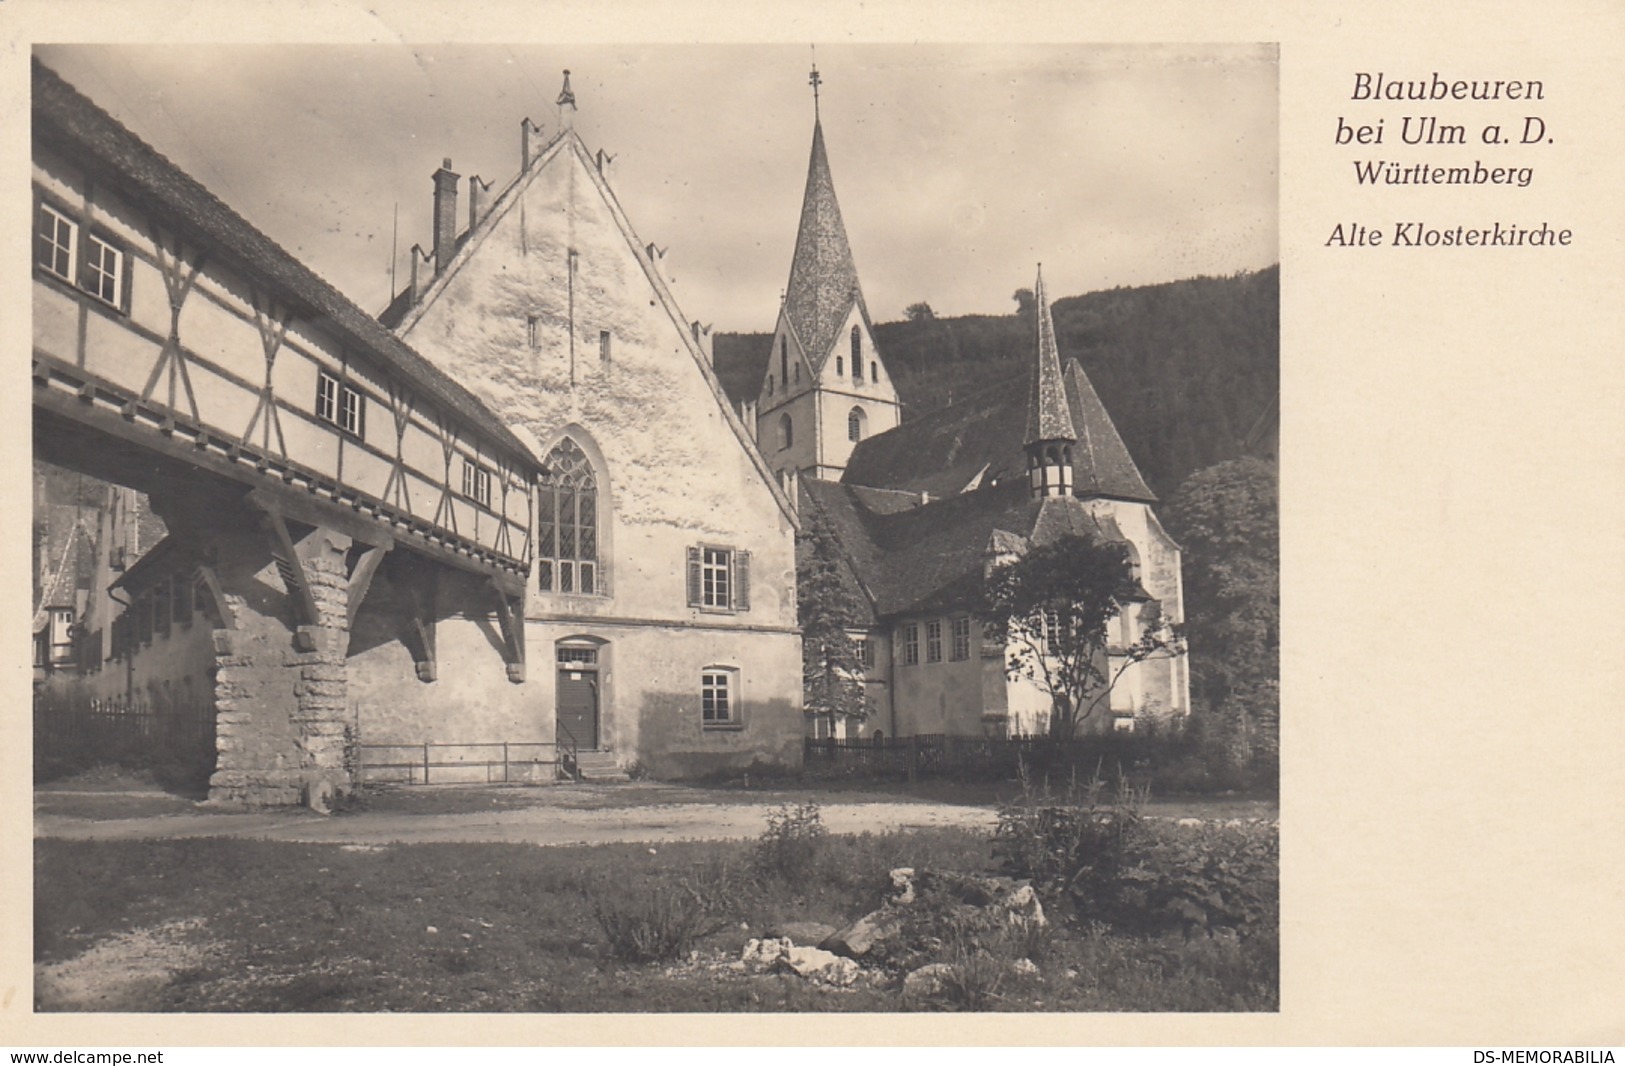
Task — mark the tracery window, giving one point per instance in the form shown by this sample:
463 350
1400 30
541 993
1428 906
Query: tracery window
567 523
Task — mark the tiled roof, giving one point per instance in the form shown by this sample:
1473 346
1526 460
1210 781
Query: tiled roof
1101 465
64 116
1048 417
70 565
943 452
823 282
931 557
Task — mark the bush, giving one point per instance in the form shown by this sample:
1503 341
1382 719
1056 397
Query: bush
660 919
791 844
1208 876
1071 846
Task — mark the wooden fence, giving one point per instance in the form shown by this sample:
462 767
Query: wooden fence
72 729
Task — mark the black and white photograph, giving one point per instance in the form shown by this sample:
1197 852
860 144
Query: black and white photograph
725 528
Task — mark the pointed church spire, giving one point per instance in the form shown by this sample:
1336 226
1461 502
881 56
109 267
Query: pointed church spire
1050 429
823 278
567 99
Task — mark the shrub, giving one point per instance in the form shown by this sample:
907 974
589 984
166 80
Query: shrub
1208 876
974 976
794 838
1071 846
659 919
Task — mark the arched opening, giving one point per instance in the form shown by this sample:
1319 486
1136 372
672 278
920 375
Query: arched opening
568 523
857 424
840 366
787 432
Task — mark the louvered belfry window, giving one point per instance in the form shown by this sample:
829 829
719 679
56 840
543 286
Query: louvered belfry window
567 523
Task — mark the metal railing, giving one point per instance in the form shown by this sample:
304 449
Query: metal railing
573 766
495 762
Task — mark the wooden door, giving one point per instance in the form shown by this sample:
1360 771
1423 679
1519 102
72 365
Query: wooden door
578 704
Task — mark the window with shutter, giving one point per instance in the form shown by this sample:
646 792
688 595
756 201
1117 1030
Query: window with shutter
695 579
741 581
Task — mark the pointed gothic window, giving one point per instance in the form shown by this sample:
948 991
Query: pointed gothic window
567 523
855 424
840 366
784 360
857 348
787 432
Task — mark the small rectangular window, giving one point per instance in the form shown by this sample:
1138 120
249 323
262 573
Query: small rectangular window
477 483
103 273
911 645
933 642
55 242
603 346
343 405
532 335
864 652
961 650
716 697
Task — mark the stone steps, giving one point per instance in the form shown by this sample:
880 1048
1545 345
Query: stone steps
599 767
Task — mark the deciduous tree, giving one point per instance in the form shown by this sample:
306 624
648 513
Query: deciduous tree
1052 607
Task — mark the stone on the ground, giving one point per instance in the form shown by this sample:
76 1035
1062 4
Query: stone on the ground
1026 968
927 980
762 954
820 965
857 939
902 885
809 933
1016 898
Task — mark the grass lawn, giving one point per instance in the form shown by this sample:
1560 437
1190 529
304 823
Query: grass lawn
244 925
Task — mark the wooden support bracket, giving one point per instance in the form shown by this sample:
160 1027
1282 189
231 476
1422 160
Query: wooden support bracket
511 613
361 578
292 568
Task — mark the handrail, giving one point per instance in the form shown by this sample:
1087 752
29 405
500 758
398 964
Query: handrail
575 761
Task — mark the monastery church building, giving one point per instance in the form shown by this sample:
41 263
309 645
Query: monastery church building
921 509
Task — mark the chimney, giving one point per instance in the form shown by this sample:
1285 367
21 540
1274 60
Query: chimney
445 216
526 149
421 272
476 200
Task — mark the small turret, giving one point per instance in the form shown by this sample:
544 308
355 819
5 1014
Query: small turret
1050 429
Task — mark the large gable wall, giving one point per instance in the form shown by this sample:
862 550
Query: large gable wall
675 460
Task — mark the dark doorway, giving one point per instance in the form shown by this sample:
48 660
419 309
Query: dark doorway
578 697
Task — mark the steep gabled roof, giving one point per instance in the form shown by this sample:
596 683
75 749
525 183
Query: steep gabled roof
70 567
1048 416
1101 465
62 115
823 282
942 453
931 557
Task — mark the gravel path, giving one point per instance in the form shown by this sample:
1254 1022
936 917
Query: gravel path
545 825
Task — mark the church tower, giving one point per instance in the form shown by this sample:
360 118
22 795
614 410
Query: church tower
826 386
1050 429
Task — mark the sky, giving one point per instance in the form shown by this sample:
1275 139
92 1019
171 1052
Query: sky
958 168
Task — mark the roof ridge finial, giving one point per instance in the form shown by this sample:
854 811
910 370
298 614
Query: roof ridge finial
815 80
567 99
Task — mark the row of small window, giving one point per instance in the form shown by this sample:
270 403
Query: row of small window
785 369
533 338
85 259
856 421
909 638
345 406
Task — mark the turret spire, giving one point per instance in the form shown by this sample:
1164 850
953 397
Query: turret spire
1051 432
